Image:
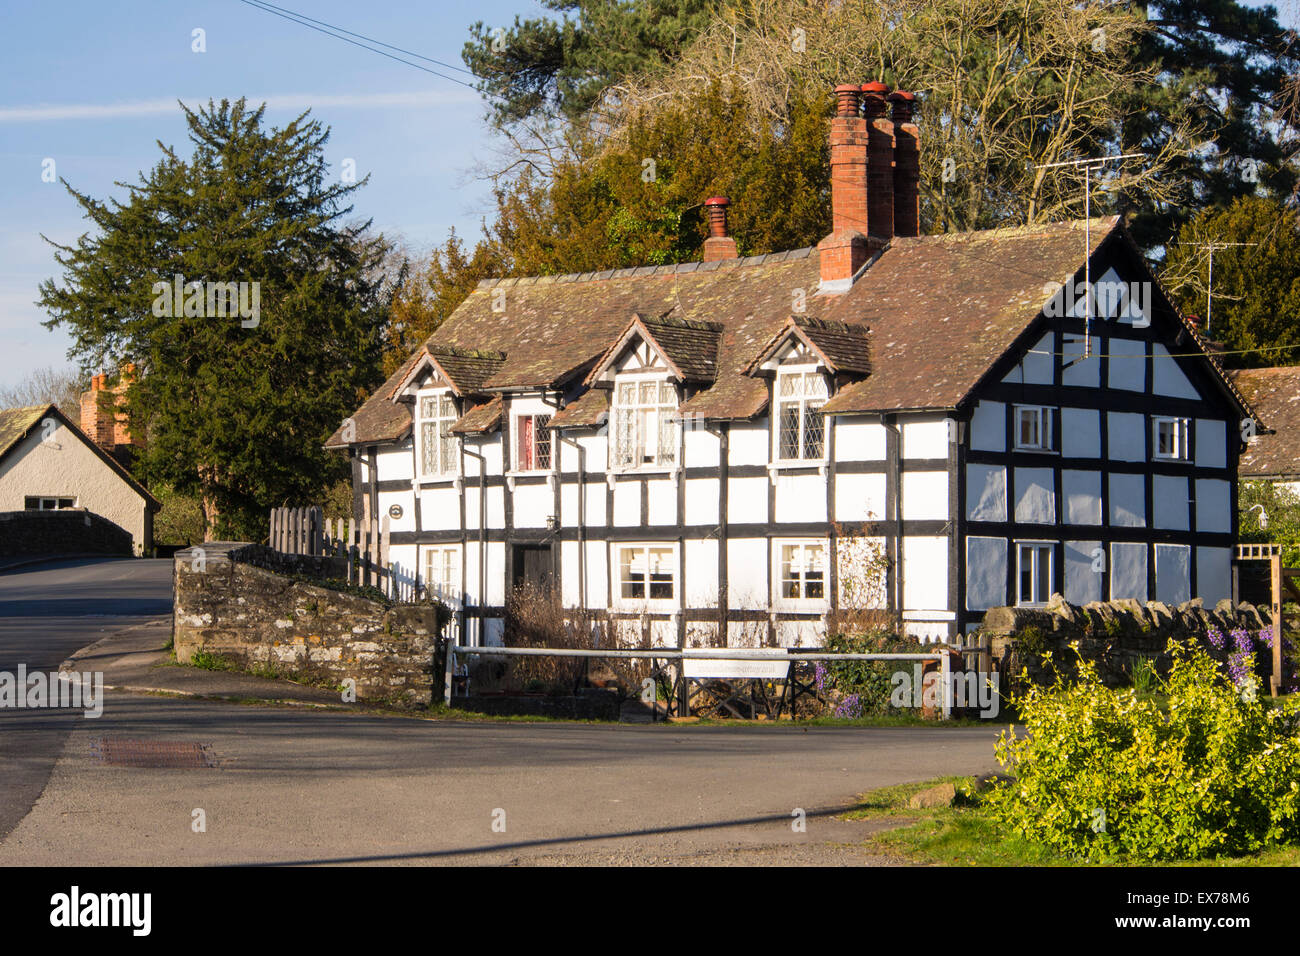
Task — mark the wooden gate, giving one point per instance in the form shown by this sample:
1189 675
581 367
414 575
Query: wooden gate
1281 581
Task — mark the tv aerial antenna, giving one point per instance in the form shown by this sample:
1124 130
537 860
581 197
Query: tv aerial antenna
1088 164
1209 283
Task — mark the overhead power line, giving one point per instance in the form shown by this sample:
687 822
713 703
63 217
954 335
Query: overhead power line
311 25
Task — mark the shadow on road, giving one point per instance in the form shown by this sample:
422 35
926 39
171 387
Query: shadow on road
557 841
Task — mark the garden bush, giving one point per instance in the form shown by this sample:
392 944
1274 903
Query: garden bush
1102 773
863 687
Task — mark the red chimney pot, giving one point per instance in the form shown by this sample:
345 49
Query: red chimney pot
718 245
717 206
846 103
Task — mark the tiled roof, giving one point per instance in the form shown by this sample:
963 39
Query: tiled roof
938 312
481 418
15 423
1274 394
380 419
554 327
942 309
467 369
690 345
591 409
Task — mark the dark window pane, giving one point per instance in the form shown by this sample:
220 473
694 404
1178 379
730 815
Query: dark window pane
789 431
812 433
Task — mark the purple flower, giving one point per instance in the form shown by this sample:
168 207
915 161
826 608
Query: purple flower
850 706
820 677
1216 638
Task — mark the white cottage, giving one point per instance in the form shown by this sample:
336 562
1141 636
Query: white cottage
714 451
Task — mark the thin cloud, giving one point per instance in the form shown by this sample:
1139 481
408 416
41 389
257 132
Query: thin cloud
281 101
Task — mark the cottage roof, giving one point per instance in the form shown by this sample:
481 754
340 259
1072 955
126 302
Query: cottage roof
1274 394
922 326
483 417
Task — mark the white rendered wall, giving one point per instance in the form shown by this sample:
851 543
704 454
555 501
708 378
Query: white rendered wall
925 495
857 440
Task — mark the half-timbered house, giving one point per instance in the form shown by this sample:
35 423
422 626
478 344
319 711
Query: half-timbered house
729 451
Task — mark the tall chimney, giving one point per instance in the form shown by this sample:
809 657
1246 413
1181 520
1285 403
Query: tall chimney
907 165
846 249
880 161
719 245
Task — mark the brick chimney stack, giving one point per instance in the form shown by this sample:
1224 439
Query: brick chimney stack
880 161
907 165
719 245
101 420
97 426
846 249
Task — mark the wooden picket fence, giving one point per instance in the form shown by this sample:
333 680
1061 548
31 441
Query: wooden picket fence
363 544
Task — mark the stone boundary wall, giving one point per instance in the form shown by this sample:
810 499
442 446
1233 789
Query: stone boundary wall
228 605
61 532
1114 634
315 566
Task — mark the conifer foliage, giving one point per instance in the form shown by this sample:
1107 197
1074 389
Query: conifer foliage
279 328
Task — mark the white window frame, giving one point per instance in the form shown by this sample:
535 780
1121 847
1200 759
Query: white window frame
670 554
1038 548
1046 440
1182 438
50 502
805 403
803 602
442 578
517 430
450 469
667 432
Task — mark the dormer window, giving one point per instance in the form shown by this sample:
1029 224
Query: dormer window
435 413
800 429
645 429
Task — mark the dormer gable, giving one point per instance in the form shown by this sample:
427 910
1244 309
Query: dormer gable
839 348
684 349
462 371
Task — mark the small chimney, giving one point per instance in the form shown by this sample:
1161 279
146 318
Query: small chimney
719 245
907 165
880 161
846 249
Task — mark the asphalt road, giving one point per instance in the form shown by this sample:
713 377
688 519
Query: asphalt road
293 786
46 613
296 785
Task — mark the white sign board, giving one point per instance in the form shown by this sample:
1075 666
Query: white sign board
750 669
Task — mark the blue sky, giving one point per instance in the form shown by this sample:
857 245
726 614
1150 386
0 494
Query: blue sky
93 86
